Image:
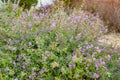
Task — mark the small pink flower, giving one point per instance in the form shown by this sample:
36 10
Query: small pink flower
15 79
30 43
23 67
79 36
53 25
48 55
13 49
13 28
44 58
23 22
74 58
41 79
96 75
35 74
70 66
96 65
30 25
101 61
74 65
14 63
41 15
108 57
42 71
29 77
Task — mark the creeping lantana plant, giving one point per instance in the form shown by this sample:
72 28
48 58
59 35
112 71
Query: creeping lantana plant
51 46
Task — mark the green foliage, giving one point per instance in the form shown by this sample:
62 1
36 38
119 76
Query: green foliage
72 3
26 4
114 67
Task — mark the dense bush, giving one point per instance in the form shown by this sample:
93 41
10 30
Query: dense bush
51 46
26 4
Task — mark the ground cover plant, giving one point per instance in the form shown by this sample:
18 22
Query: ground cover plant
51 46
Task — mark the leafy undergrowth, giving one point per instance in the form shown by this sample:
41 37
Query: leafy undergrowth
51 46
114 67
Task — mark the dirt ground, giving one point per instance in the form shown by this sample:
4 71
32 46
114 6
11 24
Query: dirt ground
112 40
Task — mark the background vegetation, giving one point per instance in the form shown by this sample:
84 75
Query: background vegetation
26 4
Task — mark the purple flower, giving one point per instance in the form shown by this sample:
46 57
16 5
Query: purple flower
74 58
88 65
79 36
98 49
30 43
13 49
22 22
42 71
44 58
89 46
48 55
29 77
14 63
41 79
30 25
13 28
106 68
96 75
41 15
71 38
108 57
45 6
96 65
106 28
23 67
74 65
33 69
35 74
101 61
53 25
18 58
77 18
15 79
90 60
82 51
70 66
86 68
90 73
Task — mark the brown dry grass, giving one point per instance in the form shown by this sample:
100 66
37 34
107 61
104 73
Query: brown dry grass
109 10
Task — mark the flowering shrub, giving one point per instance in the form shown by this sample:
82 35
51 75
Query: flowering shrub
51 46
